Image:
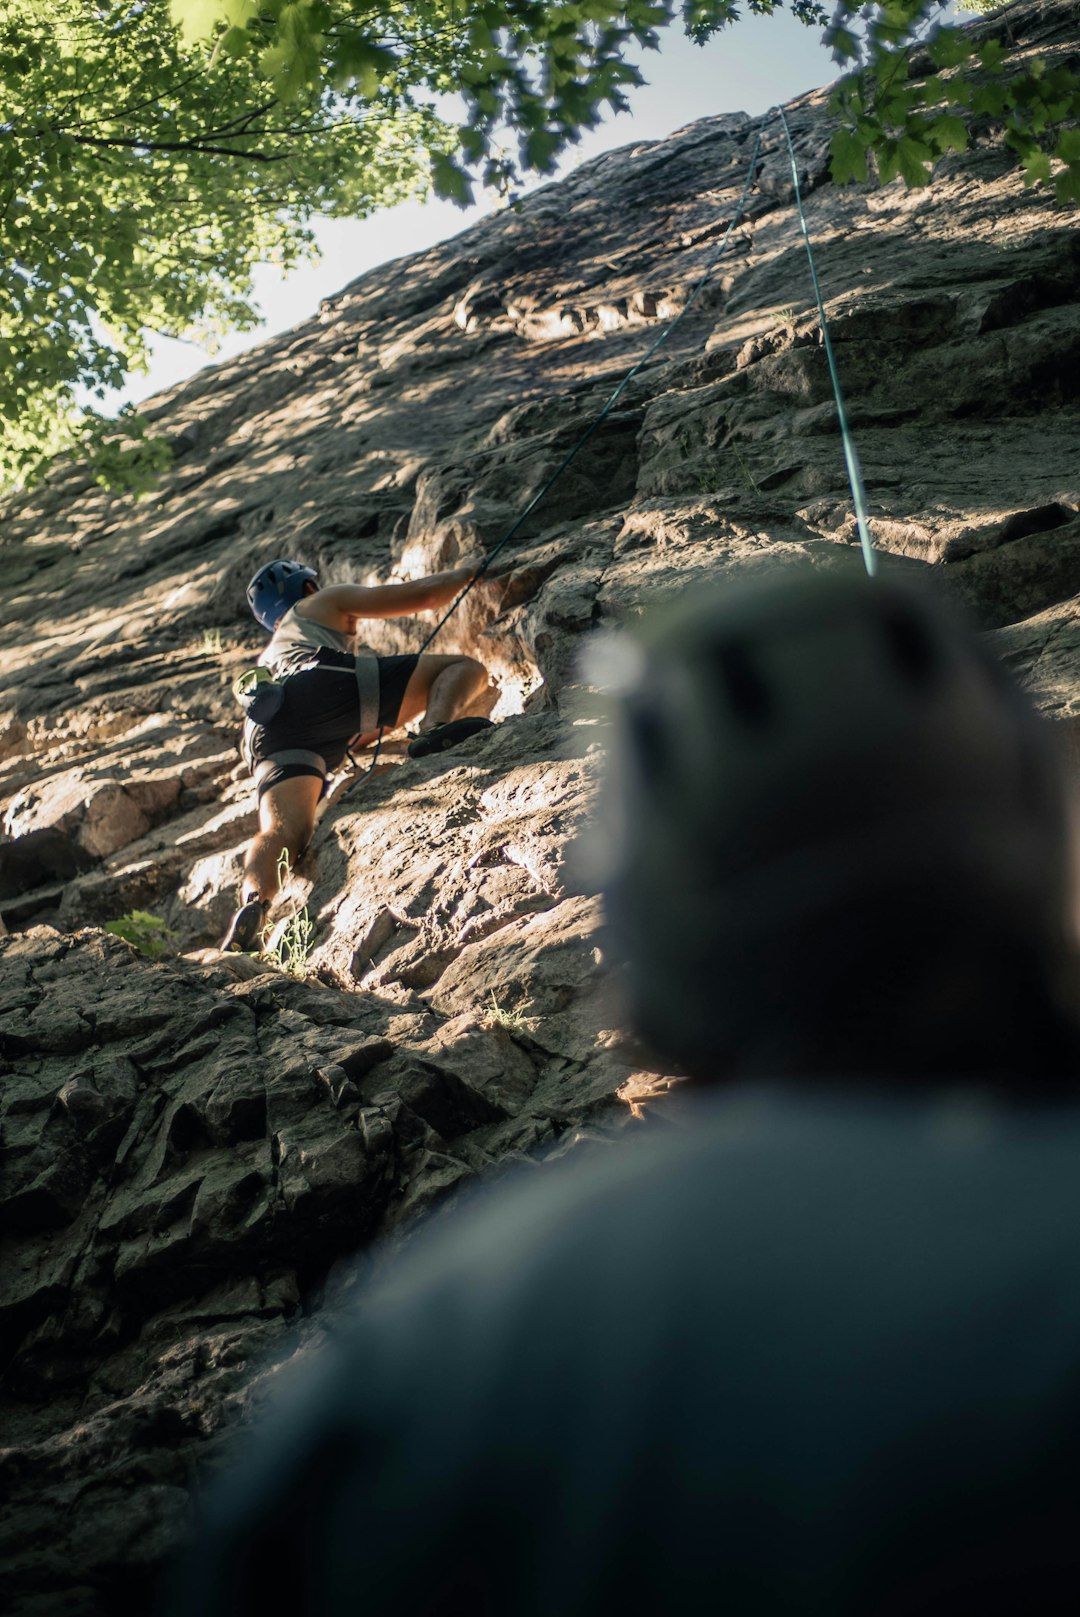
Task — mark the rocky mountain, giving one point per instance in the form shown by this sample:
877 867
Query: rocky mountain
195 1147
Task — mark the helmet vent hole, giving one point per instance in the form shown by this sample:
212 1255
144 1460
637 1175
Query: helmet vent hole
749 696
911 647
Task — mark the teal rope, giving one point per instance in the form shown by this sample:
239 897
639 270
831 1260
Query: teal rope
612 401
851 454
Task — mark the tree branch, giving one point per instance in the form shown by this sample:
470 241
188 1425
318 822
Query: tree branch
195 145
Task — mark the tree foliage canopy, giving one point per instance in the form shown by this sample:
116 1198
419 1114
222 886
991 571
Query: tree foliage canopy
138 190
537 72
904 112
153 151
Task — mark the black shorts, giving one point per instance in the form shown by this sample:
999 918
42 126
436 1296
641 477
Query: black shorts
320 715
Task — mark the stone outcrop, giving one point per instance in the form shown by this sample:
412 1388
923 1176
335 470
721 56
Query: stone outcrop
195 1148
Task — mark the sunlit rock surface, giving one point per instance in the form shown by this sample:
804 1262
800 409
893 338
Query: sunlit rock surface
194 1149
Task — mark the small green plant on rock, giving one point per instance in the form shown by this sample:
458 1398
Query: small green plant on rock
147 933
747 475
290 953
210 645
512 1022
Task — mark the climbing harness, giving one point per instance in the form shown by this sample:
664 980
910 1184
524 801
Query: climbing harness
851 457
261 690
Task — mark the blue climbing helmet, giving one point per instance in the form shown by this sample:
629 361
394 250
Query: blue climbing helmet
275 588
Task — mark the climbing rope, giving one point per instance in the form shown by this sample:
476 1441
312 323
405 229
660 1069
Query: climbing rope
851 456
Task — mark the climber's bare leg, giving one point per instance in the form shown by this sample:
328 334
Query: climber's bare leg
441 688
444 688
286 825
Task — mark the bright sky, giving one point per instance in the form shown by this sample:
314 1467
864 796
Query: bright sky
758 61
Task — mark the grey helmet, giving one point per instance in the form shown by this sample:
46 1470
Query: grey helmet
826 801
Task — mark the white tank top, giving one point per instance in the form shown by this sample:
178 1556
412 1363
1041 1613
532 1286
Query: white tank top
295 638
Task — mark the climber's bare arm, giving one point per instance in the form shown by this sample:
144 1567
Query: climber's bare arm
341 606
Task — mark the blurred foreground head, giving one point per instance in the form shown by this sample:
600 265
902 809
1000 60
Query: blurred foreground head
835 841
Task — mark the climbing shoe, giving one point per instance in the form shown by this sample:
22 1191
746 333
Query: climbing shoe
441 736
245 926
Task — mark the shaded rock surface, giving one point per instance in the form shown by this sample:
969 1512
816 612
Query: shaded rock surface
192 1149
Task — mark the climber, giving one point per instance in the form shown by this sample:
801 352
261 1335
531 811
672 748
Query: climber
810 1344
318 693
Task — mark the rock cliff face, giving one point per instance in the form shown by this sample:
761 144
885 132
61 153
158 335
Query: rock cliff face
193 1148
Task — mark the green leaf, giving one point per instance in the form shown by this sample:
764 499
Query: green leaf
991 99
540 147
844 45
949 48
895 108
949 133
473 143
196 19
1037 168
913 157
449 180
848 157
146 933
236 42
992 55
1068 146
362 62
1067 187
888 160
